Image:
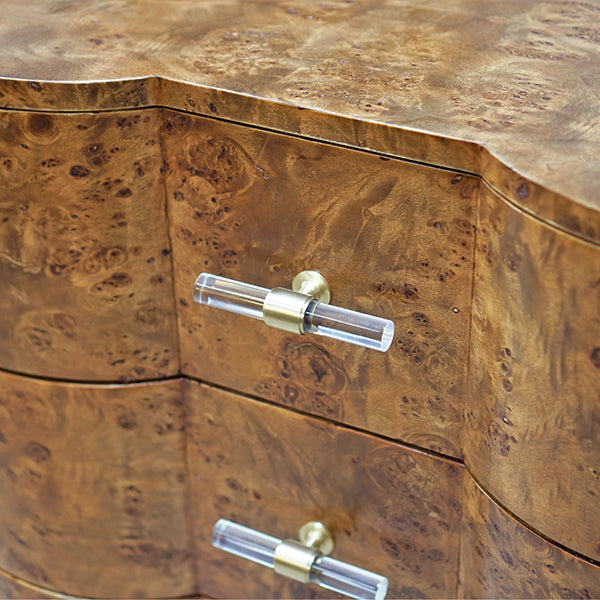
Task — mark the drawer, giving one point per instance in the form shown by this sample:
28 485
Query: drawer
84 249
93 488
392 510
500 558
86 258
99 500
394 239
532 435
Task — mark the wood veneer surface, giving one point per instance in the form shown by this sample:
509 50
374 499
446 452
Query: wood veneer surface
84 251
86 261
532 419
392 510
100 500
429 81
95 492
502 559
93 482
393 239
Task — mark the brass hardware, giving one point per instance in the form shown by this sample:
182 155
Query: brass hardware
313 284
317 536
285 309
295 559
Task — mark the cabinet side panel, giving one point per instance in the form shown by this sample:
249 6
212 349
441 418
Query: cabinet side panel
84 253
532 434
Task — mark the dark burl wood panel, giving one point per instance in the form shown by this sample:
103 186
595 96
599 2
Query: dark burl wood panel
93 482
532 433
392 510
393 239
500 558
84 251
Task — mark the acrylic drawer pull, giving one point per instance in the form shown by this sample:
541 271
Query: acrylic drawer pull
304 561
303 309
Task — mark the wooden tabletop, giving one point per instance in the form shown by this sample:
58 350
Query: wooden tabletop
509 89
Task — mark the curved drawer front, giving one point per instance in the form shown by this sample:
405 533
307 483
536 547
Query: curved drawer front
391 510
84 251
93 482
502 559
393 239
532 434
86 256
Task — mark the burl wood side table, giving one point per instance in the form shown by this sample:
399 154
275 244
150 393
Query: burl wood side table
438 162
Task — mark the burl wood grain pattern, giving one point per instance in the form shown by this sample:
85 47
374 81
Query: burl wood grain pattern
393 240
434 81
93 482
500 558
392 510
84 252
532 432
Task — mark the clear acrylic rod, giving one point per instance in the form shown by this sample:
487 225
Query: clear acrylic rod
310 316
327 572
245 542
233 296
349 326
347 579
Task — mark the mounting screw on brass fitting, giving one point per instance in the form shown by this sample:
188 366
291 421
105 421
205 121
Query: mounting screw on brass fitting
317 536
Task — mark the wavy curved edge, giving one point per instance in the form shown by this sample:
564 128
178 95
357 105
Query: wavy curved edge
572 216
